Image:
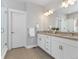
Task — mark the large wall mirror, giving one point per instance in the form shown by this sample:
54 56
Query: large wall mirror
64 18
68 22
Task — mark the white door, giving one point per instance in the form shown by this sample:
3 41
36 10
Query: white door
57 49
70 52
18 30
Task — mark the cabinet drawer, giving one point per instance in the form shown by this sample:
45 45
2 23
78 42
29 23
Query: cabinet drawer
47 45
39 41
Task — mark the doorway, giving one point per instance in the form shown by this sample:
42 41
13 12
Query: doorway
17 27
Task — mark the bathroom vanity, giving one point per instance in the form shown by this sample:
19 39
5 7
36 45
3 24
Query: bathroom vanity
59 45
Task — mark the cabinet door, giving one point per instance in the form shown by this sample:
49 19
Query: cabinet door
56 50
70 52
47 44
41 41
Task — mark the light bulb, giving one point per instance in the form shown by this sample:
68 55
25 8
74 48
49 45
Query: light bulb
66 5
51 12
72 3
63 4
47 13
69 1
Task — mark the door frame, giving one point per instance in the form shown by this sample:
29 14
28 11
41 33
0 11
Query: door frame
10 27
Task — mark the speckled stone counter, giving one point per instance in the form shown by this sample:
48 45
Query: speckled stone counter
67 35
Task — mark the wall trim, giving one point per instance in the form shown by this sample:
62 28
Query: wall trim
3 55
31 46
15 10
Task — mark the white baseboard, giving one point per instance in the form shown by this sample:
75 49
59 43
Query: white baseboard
31 46
4 53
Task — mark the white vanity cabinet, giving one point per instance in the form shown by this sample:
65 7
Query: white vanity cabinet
47 44
63 48
44 42
56 50
59 48
70 52
41 41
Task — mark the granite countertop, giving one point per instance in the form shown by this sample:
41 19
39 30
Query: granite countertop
61 35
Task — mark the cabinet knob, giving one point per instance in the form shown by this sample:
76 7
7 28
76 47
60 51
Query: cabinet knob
12 32
60 47
46 42
40 39
2 30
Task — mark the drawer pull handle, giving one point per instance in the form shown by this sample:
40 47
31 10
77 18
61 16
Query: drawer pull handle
60 47
40 39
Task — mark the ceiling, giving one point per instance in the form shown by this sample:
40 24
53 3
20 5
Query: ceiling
41 2
51 4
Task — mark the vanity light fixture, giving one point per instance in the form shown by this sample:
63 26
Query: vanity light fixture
66 3
71 2
49 12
